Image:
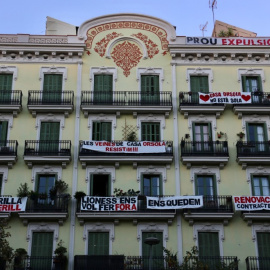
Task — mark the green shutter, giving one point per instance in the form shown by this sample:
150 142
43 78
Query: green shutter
52 88
263 241
3 132
103 86
157 250
150 131
208 244
244 83
102 131
49 137
150 89
98 243
5 88
199 84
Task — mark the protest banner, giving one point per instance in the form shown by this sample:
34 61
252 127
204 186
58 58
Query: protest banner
225 97
93 203
175 202
12 204
125 147
251 203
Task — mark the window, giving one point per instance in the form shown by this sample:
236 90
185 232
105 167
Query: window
260 185
45 183
251 83
1 183
205 185
256 133
202 136
5 87
100 185
42 245
208 244
263 242
150 89
49 137
151 185
3 132
199 84
103 87
102 131
52 88
150 131
98 243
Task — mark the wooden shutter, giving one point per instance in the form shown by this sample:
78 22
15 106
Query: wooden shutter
103 89
49 131
52 82
157 249
263 241
102 131
3 130
199 84
208 244
42 244
244 81
150 131
6 82
98 243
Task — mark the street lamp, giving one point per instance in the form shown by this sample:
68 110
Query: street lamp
151 241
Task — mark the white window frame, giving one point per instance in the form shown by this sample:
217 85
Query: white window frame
200 72
98 227
194 171
99 170
208 227
50 118
42 227
102 71
46 170
151 119
256 119
9 118
152 227
101 118
150 71
10 70
202 119
4 173
250 72
52 70
259 228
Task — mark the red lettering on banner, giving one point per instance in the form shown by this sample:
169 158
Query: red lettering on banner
224 42
231 42
236 199
238 41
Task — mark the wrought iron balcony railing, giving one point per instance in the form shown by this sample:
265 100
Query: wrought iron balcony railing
13 97
214 203
126 98
141 207
211 262
253 148
48 148
213 148
192 99
87 152
8 148
50 98
258 98
258 263
37 203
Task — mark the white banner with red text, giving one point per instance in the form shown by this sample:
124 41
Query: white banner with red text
125 147
229 41
12 204
175 202
93 203
251 203
225 97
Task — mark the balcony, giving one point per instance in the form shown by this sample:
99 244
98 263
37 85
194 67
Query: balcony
50 102
214 208
11 102
121 262
126 102
87 156
256 216
189 104
47 152
204 153
142 213
211 262
253 153
43 208
8 152
260 104
257 263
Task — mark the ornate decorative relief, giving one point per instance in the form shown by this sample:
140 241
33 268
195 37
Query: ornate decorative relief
8 39
204 170
42 227
126 55
152 48
48 40
104 170
256 171
10 69
161 33
46 170
153 227
259 228
101 46
152 170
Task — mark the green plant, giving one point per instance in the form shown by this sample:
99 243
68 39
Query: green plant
6 251
240 134
228 33
23 190
171 258
33 195
42 196
131 192
79 194
20 253
59 187
60 251
131 136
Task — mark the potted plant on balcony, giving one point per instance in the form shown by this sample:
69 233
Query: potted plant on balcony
240 135
23 190
220 134
33 195
131 137
20 254
60 258
59 188
79 195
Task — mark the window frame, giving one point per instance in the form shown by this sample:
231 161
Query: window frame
10 70
258 228
260 184
250 72
214 184
160 184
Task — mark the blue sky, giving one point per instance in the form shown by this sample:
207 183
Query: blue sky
29 16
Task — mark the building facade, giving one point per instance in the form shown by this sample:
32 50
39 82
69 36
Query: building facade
129 80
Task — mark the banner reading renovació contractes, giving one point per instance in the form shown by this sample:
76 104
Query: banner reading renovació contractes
251 203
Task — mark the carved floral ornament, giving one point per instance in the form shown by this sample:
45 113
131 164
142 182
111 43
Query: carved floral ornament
127 52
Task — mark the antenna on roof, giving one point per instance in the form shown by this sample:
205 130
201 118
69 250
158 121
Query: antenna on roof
203 28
